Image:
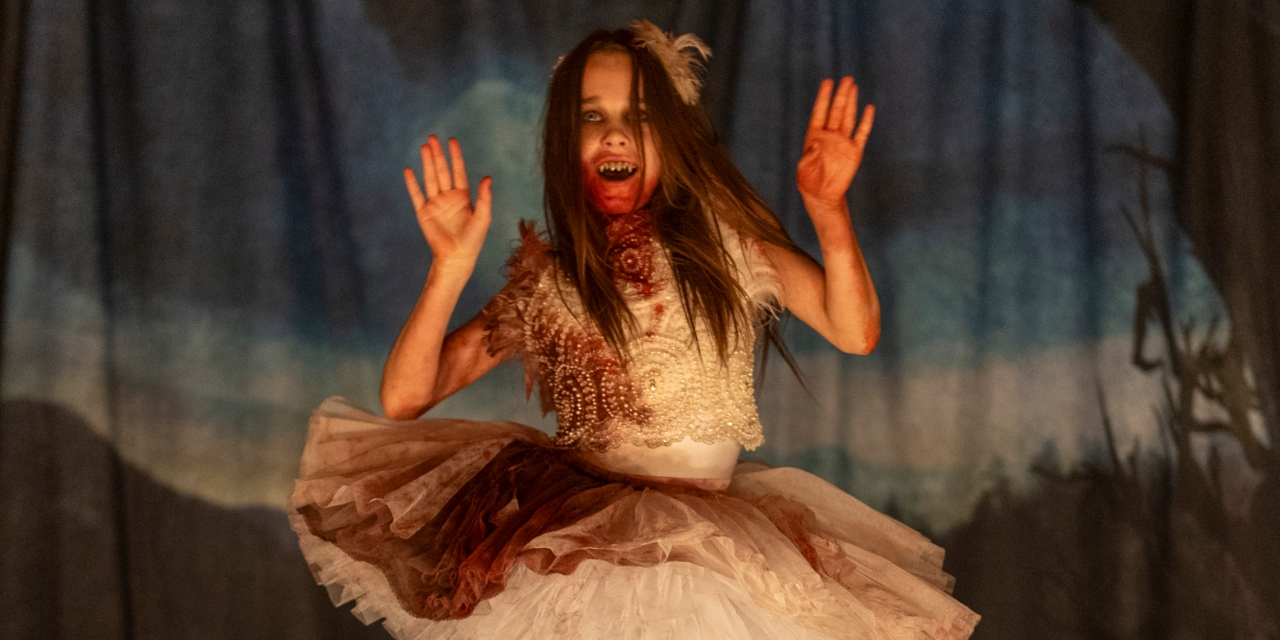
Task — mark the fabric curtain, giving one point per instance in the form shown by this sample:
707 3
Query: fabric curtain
1067 207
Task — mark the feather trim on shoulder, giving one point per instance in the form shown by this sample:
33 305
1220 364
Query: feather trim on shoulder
506 313
531 256
758 277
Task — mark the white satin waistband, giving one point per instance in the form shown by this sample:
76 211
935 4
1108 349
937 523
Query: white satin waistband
679 463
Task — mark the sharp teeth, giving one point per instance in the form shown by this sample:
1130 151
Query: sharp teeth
616 167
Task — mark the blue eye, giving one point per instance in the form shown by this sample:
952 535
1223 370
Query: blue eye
591 116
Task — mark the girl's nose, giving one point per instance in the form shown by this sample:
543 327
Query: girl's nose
617 136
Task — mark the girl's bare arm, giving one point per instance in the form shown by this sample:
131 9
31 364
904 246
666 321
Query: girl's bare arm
425 366
413 380
836 298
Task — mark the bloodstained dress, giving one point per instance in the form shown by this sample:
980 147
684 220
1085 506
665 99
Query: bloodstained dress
460 529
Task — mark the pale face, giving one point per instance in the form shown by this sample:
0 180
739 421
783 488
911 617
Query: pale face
611 163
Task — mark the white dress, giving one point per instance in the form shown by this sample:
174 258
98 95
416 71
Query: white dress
460 529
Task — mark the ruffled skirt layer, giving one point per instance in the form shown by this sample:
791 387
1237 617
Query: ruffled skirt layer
459 529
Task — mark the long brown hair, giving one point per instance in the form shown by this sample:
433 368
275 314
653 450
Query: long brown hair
697 185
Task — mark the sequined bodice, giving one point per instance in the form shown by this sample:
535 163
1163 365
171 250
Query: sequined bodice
669 390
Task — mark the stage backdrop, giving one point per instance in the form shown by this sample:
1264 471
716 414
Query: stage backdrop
1069 211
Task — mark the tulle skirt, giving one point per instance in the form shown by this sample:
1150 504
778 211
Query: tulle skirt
459 529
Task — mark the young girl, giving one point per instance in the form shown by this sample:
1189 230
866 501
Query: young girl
636 315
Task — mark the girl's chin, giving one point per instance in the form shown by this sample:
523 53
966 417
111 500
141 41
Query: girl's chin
617 198
617 209
619 202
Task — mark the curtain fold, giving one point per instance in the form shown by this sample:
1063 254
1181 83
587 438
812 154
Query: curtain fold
204 234
13 28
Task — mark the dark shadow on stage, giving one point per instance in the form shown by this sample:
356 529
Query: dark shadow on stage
95 548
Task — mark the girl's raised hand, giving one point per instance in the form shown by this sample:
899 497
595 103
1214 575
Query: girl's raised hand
832 147
454 229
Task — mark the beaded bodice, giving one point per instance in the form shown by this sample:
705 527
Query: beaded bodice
669 390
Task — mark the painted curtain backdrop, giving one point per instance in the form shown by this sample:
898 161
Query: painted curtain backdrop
207 234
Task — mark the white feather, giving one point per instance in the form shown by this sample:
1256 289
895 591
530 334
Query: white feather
679 56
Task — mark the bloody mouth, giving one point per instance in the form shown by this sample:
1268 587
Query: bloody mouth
616 186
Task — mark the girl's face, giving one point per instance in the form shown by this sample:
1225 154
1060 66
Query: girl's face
611 162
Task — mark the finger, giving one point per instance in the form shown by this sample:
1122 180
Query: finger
415 192
429 172
459 169
819 116
850 113
442 167
484 199
864 127
839 104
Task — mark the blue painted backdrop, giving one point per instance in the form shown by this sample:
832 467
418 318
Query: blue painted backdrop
211 236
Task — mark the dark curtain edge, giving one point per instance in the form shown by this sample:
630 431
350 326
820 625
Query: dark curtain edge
13 35
1147 32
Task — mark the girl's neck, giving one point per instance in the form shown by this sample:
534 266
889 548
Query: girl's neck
628 227
631 250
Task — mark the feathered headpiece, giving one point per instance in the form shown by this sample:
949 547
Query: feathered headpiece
677 55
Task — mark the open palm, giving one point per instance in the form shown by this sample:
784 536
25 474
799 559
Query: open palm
453 228
832 147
